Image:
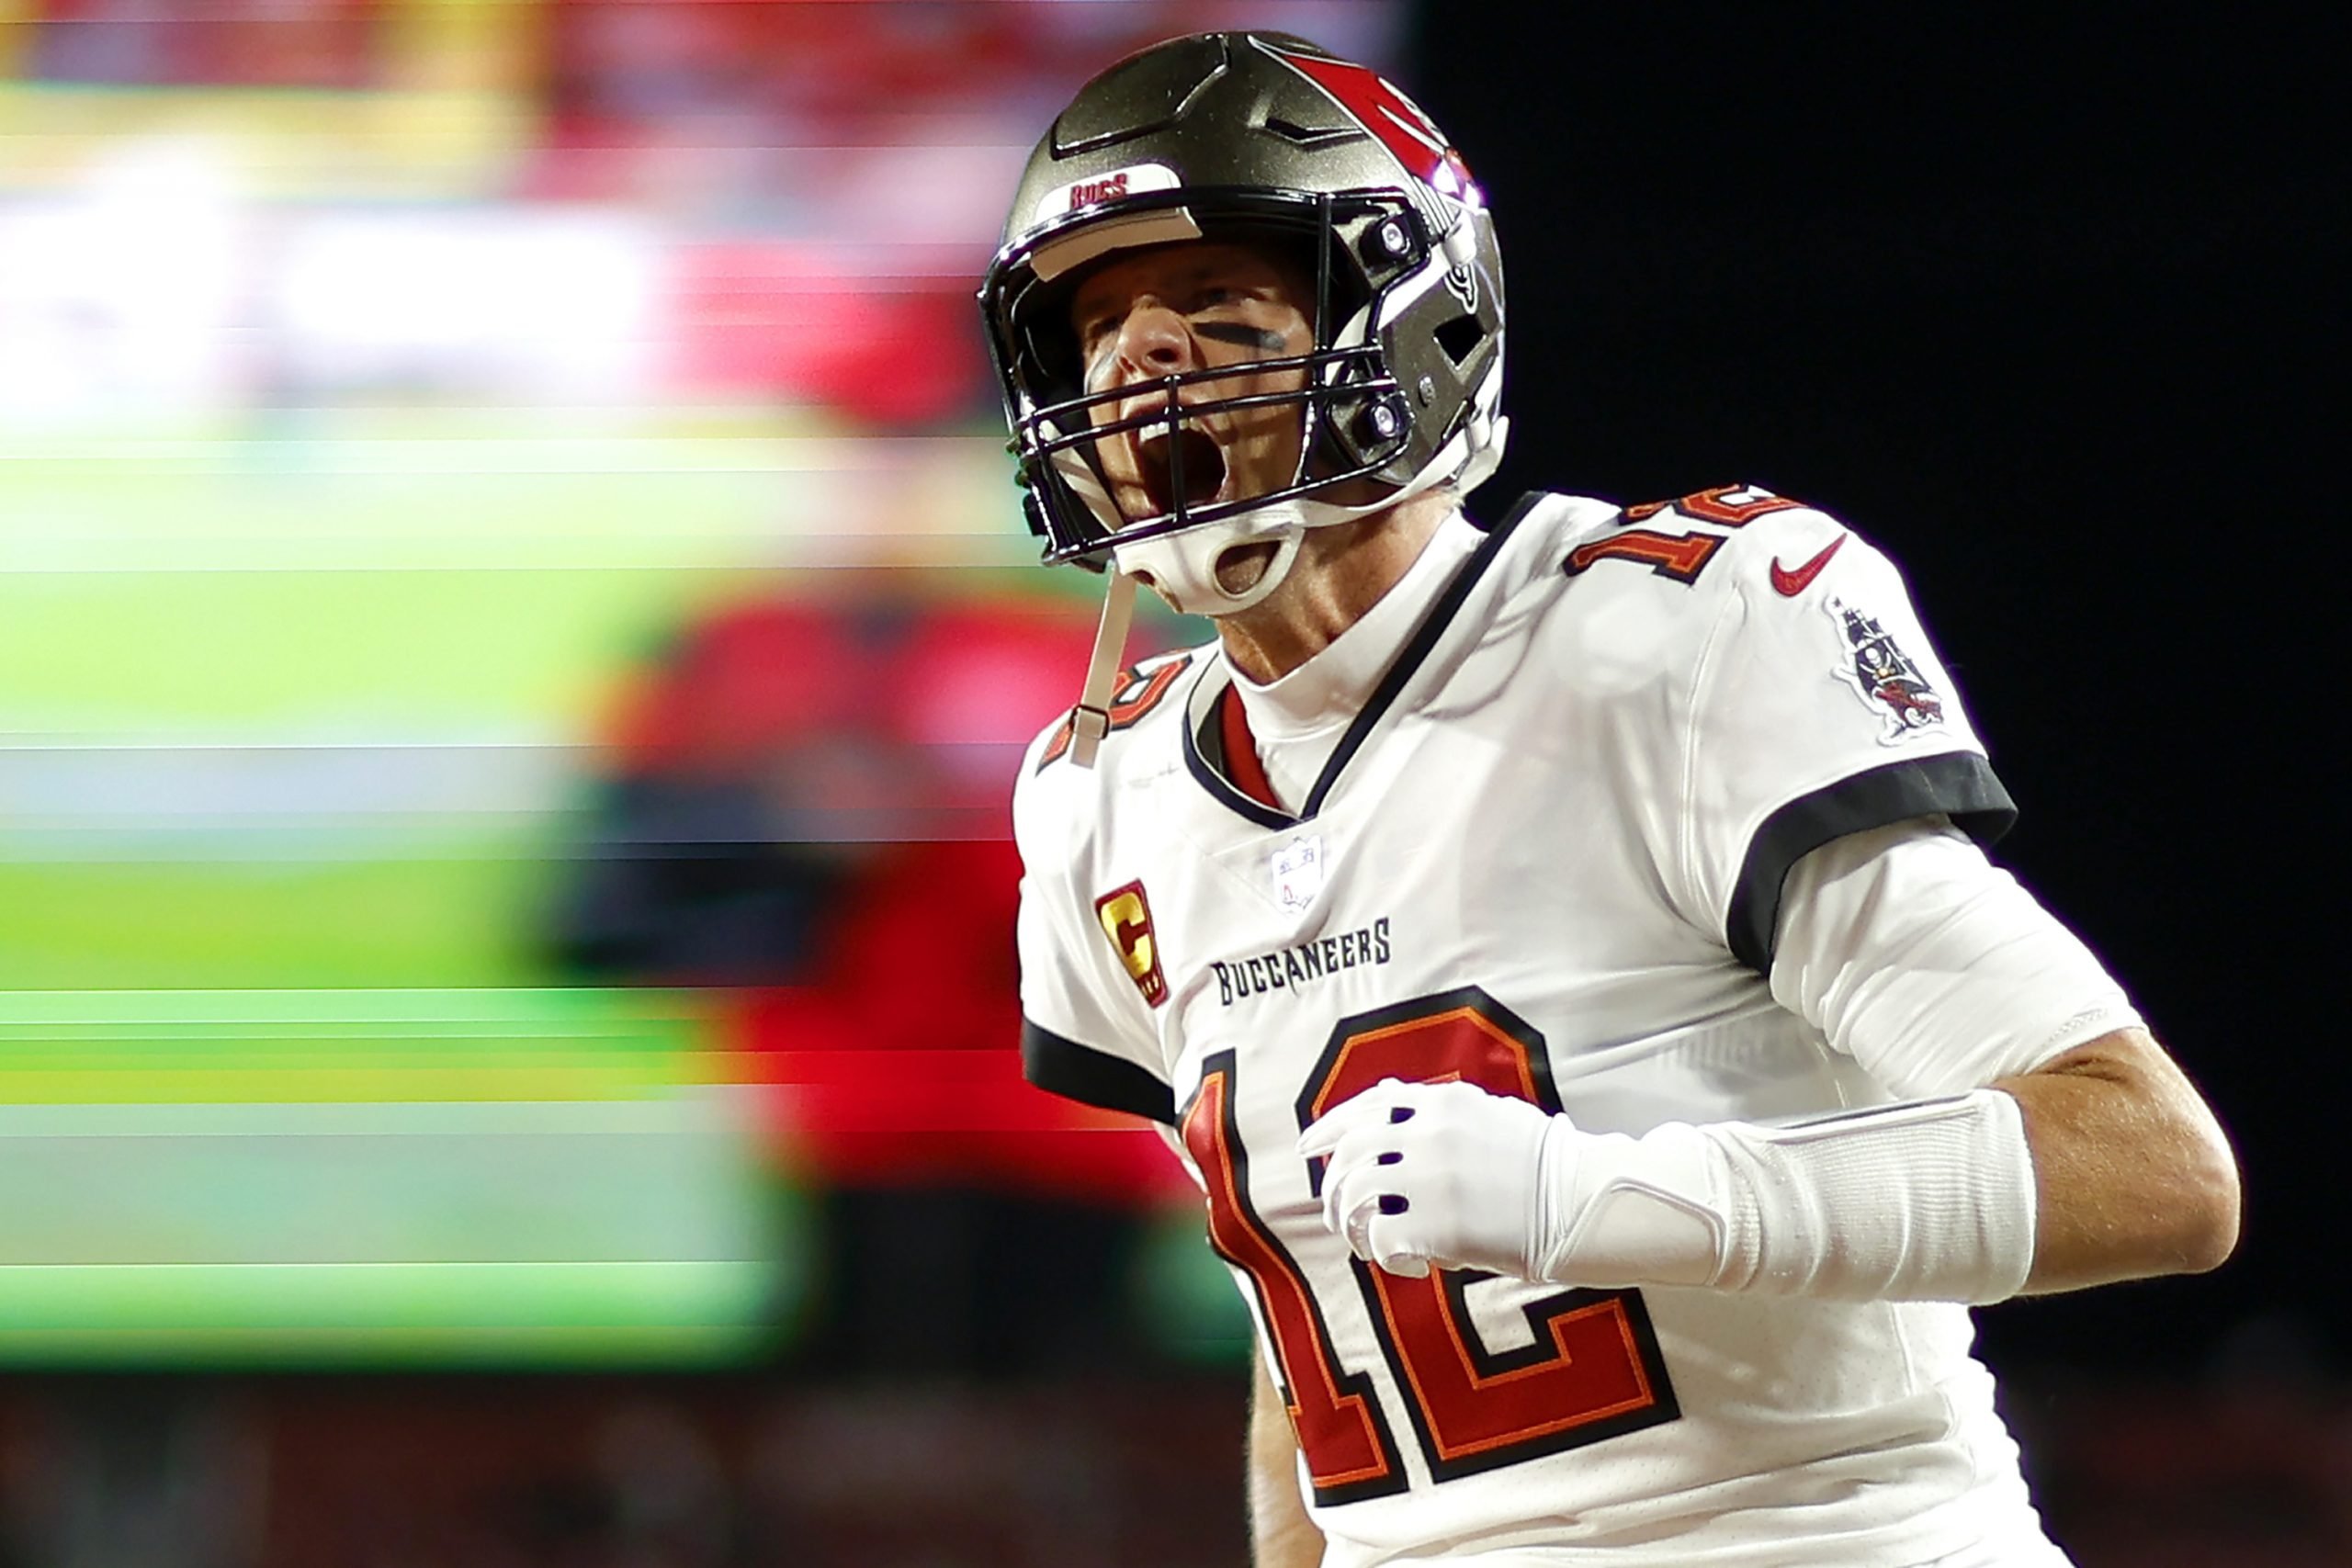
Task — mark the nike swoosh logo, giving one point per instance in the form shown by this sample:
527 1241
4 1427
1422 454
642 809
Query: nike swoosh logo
1792 583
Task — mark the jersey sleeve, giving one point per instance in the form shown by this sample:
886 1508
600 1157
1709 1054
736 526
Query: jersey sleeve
1085 1032
1931 966
1817 708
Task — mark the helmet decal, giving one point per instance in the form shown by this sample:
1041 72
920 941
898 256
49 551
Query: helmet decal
1133 180
1395 120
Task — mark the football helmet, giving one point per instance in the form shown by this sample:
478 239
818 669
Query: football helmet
1267 140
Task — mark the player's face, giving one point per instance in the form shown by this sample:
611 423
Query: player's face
1196 306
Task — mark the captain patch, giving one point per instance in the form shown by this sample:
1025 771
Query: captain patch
1125 917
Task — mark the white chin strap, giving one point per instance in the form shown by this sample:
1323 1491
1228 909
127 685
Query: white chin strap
1091 720
1182 568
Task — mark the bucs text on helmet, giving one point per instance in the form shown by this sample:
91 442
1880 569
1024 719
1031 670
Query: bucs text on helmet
1263 140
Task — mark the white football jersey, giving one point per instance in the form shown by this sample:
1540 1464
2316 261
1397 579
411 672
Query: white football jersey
1545 856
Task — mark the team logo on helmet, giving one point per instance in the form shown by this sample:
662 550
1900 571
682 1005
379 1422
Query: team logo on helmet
1887 679
1392 118
1398 123
1115 186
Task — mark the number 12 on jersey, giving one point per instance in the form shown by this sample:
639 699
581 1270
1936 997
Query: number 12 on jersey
1591 1368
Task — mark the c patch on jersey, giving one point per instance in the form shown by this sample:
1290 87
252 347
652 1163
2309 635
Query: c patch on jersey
1126 916
1882 675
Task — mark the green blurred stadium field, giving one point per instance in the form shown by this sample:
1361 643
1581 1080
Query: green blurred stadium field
294 728
297 722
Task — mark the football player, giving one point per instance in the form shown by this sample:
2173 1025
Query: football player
1561 946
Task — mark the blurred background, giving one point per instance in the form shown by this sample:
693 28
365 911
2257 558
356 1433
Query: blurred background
515 630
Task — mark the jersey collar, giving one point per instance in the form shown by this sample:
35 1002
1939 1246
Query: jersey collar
1203 744
1330 688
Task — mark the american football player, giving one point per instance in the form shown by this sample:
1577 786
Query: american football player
1561 946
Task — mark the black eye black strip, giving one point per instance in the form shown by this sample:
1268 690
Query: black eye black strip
1241 336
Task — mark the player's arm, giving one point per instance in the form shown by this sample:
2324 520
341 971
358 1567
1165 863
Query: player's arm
1281 1535
1932 967
2024 1156
2132 1175
2103 1166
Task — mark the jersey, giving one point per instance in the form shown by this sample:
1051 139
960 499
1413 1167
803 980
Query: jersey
1546 856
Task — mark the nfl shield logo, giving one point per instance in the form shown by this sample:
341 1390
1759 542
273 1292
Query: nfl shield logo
1298 872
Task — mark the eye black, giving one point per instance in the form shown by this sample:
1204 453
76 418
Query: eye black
1242 335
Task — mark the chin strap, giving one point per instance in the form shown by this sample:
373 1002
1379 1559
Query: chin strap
1091 720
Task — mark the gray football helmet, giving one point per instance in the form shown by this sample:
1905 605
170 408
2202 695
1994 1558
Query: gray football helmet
1266 139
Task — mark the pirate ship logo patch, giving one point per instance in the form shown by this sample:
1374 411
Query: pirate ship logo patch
1888 680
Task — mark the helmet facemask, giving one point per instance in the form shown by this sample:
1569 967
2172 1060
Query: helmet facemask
1352 425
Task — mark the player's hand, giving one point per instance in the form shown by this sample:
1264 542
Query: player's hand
1440 1175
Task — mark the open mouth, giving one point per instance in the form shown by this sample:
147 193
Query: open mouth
1238 568
1160 458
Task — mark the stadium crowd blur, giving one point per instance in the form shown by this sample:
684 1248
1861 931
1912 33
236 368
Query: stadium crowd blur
810 820
797 804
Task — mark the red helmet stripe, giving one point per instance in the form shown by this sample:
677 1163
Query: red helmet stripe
1387 114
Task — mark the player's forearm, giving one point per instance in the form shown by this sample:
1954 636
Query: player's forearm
2134 1174
1281 1535
1933 1199
2109 1167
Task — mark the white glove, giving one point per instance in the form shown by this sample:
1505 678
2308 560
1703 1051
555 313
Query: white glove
1439 1174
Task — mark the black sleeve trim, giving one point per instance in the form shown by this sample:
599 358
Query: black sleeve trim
1959 784
1093 1078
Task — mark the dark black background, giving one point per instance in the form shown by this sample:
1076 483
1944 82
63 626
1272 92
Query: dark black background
2046 305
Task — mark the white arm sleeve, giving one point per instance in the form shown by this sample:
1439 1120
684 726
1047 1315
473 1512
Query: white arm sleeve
1930 966
1928 1201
